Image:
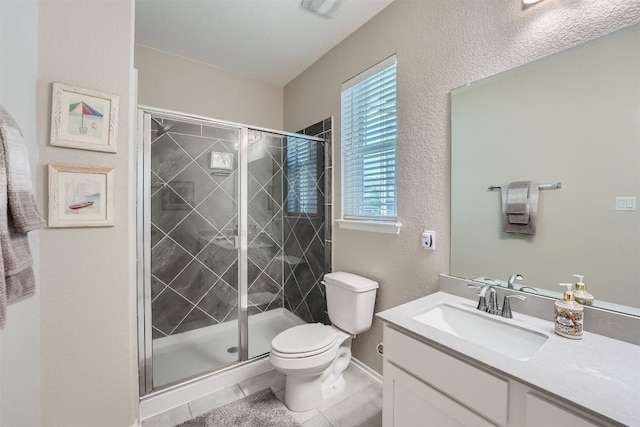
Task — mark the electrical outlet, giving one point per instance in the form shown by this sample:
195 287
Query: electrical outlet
429 240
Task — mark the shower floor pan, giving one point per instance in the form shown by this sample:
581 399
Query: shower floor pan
190 354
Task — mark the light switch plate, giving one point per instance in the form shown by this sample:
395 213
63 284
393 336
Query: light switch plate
626 203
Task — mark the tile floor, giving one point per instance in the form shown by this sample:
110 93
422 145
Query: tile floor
359 405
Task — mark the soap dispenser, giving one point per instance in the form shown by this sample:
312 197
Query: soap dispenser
581 295
568 315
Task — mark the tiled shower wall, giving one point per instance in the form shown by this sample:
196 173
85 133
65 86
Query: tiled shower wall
308 240
194 262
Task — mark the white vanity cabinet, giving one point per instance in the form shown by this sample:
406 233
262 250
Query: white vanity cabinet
425 386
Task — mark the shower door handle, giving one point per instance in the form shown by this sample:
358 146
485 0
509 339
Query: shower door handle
236 242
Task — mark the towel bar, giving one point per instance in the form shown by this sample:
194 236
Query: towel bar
553 186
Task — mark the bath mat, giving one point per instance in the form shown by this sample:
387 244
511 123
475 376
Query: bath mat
261 409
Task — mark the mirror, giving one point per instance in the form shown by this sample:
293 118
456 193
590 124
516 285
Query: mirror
572 117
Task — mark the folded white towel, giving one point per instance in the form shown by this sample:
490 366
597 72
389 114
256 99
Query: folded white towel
509 226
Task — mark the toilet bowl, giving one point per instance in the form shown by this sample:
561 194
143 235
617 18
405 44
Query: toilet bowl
314 356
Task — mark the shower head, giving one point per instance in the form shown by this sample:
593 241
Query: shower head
162 129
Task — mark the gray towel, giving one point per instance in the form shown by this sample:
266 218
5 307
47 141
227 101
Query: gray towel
518 202
18 215
530 226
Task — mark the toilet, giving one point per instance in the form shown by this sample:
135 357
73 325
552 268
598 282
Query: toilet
314 356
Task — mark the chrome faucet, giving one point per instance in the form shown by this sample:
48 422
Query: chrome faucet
492 306
505 311
493 299
512 280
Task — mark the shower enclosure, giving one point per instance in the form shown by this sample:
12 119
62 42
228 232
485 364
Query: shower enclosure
232 242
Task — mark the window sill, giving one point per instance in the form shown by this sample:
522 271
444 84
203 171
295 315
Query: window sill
371 226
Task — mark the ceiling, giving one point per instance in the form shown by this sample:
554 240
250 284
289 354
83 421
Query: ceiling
270 40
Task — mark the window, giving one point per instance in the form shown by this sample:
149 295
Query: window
302 176
369 129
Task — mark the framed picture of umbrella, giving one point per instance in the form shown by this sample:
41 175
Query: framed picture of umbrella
80 196
84 118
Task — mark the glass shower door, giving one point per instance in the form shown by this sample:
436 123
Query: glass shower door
264 240
193 259
231 243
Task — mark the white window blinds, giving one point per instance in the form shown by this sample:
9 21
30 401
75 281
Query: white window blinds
369 128
302 176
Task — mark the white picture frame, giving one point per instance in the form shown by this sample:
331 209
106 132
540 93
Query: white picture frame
80 196
84 119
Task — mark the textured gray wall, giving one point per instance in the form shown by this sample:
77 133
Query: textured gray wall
440 45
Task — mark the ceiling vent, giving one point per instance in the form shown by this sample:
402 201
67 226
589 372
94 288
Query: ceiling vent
324 8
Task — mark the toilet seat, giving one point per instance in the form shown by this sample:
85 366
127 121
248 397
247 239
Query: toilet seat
304 341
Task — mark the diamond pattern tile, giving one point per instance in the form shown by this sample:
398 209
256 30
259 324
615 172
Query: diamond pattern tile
231 275
156 235
315 302
292 292
163 215
168 259
262 257
221 133
263 169
193 233
194 281
315 258
218 258
155 333
195 174
306 242
156 287
168 310
262 208
195 320
263 290
167 158
219 208
302 311
193 145
219 301
194 214
277 301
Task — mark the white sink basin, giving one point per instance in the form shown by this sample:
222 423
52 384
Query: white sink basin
494 334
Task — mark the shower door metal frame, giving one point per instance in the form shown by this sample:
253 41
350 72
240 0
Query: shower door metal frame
143 232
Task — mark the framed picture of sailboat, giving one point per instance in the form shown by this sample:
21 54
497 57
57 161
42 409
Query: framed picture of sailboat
80 197
84 118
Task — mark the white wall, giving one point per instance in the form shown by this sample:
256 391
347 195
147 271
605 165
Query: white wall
175 83
88 346
440 45
20 340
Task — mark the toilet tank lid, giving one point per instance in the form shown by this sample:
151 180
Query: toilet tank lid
349 281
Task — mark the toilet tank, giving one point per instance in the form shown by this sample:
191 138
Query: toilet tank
350 301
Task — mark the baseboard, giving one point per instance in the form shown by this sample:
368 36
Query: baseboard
366 370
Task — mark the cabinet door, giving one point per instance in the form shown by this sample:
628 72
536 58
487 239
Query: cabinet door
542 413
408 402
484 393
